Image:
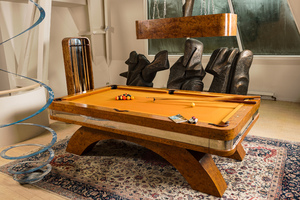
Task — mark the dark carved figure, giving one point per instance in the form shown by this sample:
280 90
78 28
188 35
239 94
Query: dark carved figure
141 72
219 66
230 69
188 8
187 73
240 75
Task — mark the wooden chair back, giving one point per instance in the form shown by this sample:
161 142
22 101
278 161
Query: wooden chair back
78 64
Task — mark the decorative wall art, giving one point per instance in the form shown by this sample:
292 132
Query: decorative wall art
28 172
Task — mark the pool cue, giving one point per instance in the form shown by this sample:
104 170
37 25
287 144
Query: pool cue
211 104
80 69
231 99
74 67
213 95
87 71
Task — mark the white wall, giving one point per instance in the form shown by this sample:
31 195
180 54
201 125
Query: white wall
122 17
280 76
12 110
62 25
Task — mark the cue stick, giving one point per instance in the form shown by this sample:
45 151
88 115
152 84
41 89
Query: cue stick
84 76
143 89
87 71
74 67
225 99
208 94
82 67
209 104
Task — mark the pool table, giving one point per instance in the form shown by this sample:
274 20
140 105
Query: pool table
223 122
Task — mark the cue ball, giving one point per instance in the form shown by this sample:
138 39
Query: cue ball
193 104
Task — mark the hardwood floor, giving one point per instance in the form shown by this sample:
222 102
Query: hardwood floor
10 189
279 120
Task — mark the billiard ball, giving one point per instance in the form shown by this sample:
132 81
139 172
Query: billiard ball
125 96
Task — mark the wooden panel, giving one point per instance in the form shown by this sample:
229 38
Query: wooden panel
182 27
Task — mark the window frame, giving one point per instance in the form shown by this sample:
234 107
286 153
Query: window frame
260 58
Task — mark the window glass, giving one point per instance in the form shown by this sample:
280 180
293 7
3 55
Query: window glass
266 27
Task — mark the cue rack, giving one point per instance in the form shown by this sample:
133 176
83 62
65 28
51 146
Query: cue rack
78 64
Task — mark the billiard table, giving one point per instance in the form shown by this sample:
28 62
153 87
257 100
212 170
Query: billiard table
223 122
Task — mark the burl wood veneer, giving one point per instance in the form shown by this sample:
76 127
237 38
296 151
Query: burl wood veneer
192 26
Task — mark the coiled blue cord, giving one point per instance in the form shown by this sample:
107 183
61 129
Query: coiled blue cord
31 173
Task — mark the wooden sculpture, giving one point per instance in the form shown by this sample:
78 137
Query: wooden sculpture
230 69
188 26
187 73
141 72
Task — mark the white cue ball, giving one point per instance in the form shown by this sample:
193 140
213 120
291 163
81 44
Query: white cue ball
193 104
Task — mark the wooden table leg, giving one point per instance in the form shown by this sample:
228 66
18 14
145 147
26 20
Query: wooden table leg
239 153
197 168
83 140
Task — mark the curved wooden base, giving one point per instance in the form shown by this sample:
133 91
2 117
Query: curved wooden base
197 168
239 153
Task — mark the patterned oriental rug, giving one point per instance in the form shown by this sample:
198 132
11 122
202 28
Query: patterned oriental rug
123 170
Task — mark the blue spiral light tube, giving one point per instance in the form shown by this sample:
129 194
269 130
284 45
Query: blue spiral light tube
32 171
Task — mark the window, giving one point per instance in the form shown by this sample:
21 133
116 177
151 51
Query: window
266 27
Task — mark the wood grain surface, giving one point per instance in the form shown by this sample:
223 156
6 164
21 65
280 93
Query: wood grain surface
192 26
